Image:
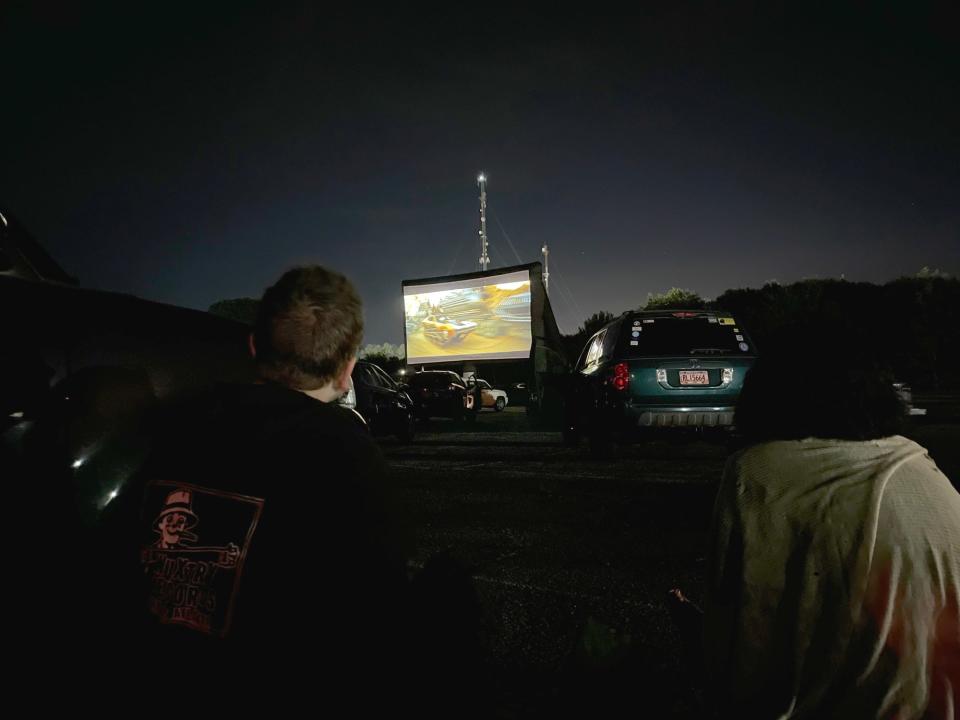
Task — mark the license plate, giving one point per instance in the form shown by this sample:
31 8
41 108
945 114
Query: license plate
694 377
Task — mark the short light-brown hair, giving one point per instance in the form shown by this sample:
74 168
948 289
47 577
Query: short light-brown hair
309 325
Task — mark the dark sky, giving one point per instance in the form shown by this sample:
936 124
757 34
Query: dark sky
189 155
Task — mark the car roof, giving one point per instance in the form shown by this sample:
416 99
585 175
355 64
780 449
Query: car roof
671 311
426 375
696 312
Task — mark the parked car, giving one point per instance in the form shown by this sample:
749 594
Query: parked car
671 368
489 396
384 406
906 395
519 393
440 393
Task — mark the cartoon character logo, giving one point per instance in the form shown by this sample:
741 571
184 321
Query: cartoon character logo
192 568
175 520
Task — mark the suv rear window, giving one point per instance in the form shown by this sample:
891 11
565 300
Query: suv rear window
672 336
434 379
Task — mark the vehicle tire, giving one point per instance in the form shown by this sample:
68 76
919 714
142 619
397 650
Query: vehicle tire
500 405
408 429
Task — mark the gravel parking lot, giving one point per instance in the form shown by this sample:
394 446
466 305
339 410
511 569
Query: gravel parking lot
572 557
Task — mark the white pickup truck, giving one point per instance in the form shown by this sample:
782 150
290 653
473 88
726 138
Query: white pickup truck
489 397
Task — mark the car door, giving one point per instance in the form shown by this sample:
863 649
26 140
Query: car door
392 406
373 406
486 394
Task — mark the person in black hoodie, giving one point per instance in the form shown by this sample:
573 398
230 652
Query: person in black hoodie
266 552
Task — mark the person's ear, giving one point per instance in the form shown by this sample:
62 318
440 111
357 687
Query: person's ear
342 381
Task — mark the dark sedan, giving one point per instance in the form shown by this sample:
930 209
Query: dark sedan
387 409
439 393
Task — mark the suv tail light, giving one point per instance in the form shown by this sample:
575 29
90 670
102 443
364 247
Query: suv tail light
621 376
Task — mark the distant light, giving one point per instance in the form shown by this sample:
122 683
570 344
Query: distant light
481 178
3 220
111 496
403 372
18 414
77 463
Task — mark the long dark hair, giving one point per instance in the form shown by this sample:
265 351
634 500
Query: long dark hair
816 380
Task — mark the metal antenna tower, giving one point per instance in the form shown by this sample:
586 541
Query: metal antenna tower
484 256
546 266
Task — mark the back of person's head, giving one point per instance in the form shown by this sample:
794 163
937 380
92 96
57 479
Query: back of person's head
309 326
819 380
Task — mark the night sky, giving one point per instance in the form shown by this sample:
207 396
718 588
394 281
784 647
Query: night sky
189 155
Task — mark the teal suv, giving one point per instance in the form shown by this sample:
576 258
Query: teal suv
657 369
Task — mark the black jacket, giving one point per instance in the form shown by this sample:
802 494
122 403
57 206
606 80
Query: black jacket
259 546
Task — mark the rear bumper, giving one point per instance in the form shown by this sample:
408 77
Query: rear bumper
440 407
721 416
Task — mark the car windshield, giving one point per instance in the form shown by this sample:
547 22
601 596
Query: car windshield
644 337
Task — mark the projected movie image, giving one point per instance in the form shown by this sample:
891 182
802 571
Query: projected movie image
482 318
